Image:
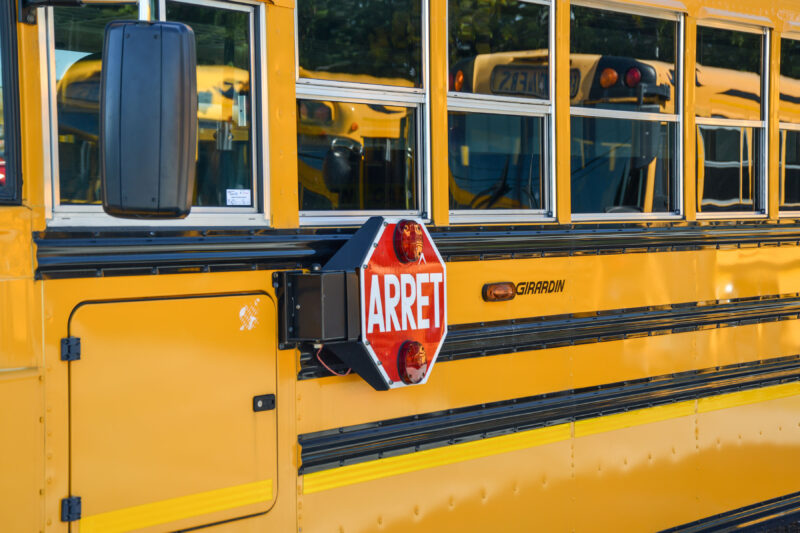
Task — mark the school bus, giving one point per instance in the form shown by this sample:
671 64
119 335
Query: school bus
341 266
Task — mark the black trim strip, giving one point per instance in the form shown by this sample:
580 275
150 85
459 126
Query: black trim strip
494 338
769 515
356 444
106 252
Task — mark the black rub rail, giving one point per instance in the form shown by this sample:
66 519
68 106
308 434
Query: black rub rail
778 515
108 252
349 445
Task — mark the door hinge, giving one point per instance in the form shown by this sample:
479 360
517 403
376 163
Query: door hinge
70 348
71 509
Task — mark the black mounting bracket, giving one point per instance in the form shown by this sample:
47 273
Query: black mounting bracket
317 306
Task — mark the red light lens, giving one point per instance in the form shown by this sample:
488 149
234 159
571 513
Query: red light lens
633 77
412 362
408 241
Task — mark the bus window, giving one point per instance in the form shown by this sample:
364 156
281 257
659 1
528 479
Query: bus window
624 124
355 156
789 113
622 166
360 102
498 109
78 34
496 161
225 166
730 129
361 41
225 162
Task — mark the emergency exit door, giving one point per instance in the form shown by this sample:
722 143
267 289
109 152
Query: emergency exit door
172 419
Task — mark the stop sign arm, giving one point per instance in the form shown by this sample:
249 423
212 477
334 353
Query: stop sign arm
378 304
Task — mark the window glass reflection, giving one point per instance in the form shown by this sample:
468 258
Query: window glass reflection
789 103
499 47
356 156
79 34
224 164
363 41
727 168
605 74
790 170
225 151
496 161
728 75
622 166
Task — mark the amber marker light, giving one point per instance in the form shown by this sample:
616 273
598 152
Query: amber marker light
412 362
458 83
608 78
408 241
499 292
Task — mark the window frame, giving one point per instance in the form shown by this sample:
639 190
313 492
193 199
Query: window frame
93 215
417 98
677 117
760 204
513 106
11 192
782 127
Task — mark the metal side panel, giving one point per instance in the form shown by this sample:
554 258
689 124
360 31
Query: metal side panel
165 433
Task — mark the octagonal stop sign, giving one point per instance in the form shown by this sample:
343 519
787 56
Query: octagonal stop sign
402 302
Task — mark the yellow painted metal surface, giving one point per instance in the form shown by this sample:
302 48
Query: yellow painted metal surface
634 471
620 281
282 135
504 377
204 375
174 509
161 408
21 453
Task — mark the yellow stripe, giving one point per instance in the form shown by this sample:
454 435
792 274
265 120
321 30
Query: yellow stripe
412 462
746 397
633 418
391 466
152 514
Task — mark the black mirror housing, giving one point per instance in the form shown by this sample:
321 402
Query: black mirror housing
148 119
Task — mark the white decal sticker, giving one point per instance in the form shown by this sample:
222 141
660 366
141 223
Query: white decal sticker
238 197
248 315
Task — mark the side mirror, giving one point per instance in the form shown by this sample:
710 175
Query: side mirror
148 119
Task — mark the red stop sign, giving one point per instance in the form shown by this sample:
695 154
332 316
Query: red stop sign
403 302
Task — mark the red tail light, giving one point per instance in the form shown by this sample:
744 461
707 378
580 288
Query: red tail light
633 77
412 362
450 82
408 241
608 77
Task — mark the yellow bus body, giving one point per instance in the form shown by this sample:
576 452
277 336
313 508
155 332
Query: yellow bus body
178 408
